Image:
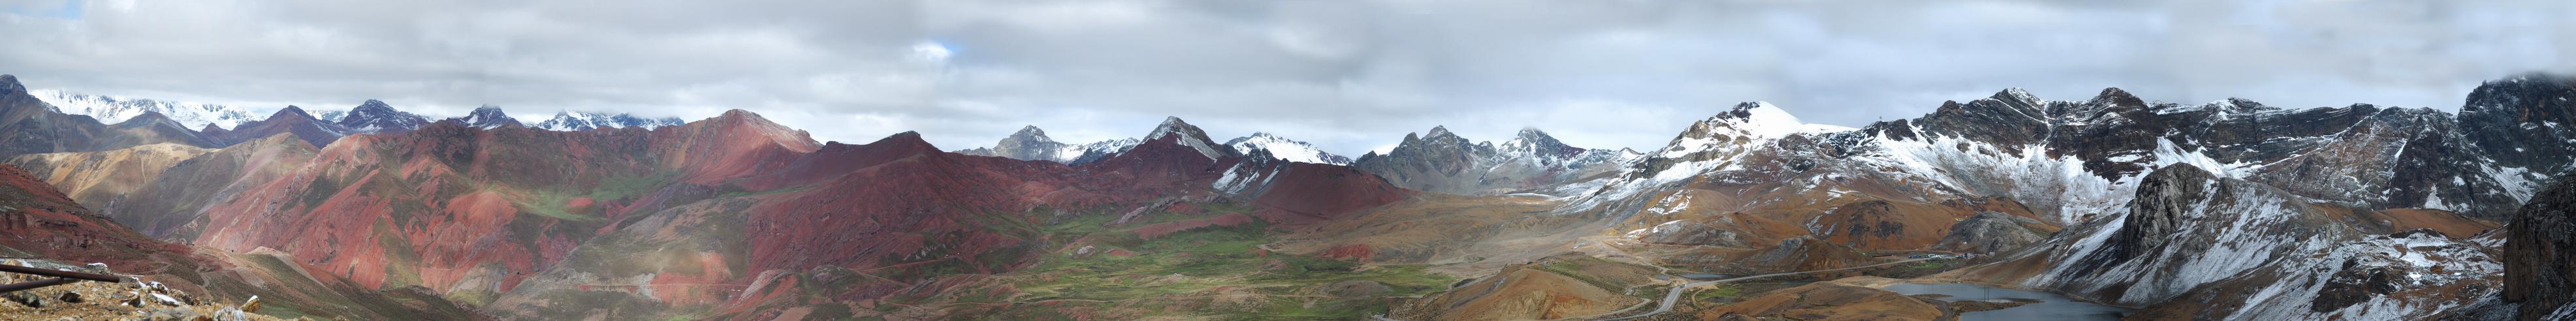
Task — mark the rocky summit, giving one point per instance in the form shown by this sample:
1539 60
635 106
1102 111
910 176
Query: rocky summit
2109 206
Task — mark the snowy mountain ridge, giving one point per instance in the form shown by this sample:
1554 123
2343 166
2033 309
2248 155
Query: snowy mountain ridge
111 109
1286 149
583 121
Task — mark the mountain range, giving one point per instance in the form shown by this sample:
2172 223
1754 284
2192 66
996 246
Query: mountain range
2221 210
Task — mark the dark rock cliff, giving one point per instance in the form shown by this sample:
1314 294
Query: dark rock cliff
2539 270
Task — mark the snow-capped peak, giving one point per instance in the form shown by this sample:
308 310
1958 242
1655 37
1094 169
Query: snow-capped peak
1763 120
375 116
118 109
1188 136
1286 149
488 116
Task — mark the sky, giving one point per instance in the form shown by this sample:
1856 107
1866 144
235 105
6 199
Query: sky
1348 76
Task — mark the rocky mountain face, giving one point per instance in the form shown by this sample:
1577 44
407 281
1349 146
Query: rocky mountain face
1991 232
2385 157
1286 149
581 121
488 116
374 117
28 125
2195 245
2321 180
104 108
1440 161
2540 255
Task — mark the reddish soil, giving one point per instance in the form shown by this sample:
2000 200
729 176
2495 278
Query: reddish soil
1166 228
1309 193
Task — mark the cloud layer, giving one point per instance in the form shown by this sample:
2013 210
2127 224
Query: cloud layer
1350 76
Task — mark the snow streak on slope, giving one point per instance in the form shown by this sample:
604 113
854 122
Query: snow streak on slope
109 109
1287 149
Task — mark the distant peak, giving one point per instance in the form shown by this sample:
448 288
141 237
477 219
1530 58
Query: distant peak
905 136
489 107
1171 125
2015 94
2114 94
9 85
291 110
1437 131
371 105
1029 133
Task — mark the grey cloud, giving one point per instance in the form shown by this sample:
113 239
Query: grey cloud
1347 75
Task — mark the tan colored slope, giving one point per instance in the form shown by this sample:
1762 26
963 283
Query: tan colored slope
1429 228
97 178
1561 286
2405 219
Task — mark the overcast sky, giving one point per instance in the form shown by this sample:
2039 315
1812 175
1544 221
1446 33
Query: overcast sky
1350 76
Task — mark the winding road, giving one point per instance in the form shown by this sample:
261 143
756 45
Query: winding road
1676 293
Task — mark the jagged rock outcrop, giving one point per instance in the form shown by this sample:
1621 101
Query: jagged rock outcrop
1992 232
2540 255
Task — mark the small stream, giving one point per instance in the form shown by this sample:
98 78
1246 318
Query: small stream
2056 307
